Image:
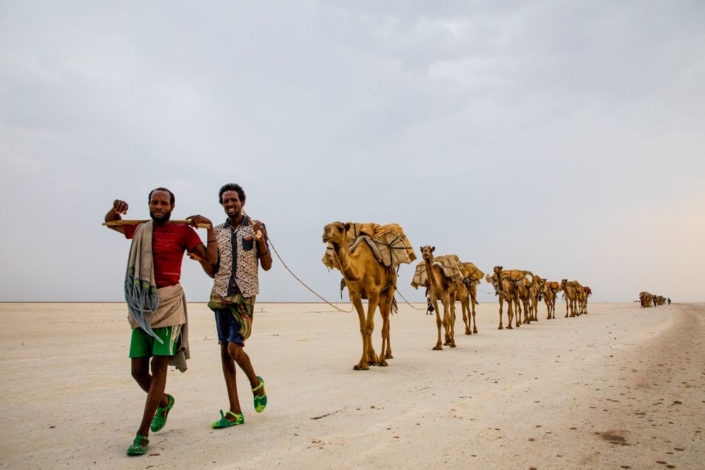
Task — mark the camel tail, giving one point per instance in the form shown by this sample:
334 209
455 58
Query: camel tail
395 307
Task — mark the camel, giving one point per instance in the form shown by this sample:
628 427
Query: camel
469 279
646 299
528 293
586 292
366 278
550 291
570 291
536 294
506 289
440 287
462 295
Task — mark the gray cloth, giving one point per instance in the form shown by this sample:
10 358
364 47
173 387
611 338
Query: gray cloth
141 293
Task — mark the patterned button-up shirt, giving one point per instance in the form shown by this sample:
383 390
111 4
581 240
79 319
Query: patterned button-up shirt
237 270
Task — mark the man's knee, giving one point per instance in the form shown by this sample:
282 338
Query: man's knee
235 351
139 367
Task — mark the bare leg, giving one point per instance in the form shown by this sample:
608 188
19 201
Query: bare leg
155 392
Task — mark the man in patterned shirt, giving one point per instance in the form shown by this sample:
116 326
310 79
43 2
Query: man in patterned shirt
242 248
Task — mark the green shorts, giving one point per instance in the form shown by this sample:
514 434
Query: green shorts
144 345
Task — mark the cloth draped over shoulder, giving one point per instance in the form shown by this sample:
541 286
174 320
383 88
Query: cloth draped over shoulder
150 307
141 293
388 243
451 266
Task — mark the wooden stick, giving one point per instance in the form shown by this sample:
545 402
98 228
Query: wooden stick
118 223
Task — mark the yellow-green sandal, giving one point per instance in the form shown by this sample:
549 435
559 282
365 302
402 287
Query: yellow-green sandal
224 422
260 400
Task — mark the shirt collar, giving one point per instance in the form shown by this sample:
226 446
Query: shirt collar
245 221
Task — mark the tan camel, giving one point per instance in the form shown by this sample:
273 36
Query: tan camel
506 289
528 290
471 278
440 287
646 299
462 295
536 296
550 291
366 278
570 291
583 294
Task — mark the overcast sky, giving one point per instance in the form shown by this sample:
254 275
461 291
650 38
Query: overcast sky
565 138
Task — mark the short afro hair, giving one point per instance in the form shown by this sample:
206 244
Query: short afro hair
232 187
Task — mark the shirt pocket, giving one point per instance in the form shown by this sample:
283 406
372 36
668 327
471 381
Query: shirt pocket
248 243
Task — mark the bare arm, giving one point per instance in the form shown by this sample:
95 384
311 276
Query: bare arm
210 253
115 213
265 257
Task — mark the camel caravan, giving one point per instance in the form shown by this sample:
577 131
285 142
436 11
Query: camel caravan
648 299
369 255
519 288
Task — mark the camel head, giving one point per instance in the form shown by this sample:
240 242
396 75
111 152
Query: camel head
498 271
336 233
427 252
564 283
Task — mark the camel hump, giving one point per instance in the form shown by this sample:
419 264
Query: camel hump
472 271
388 242
513 274
450 265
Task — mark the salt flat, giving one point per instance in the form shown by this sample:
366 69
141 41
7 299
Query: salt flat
621 387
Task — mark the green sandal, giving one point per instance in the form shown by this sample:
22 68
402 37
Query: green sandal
260 400
226 423
137 448
159 421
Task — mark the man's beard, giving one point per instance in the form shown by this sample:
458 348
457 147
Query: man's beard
160 220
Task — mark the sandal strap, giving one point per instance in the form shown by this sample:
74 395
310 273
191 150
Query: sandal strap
261 384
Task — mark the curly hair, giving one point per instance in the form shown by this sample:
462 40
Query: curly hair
232 187
171 195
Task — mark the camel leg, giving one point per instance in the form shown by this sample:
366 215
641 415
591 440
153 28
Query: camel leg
452 325
501 305
357 302
385 352
385 310
446 319
517 314
473 300
510 313
464 307
439 345
372 304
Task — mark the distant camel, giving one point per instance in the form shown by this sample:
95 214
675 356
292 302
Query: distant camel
505 287
570 290
550 291
440 287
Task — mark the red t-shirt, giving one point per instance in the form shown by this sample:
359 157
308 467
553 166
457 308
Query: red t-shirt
168 245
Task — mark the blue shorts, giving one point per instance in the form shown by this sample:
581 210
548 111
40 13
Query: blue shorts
228 327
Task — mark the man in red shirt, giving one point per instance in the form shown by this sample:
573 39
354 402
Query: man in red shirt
162 330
